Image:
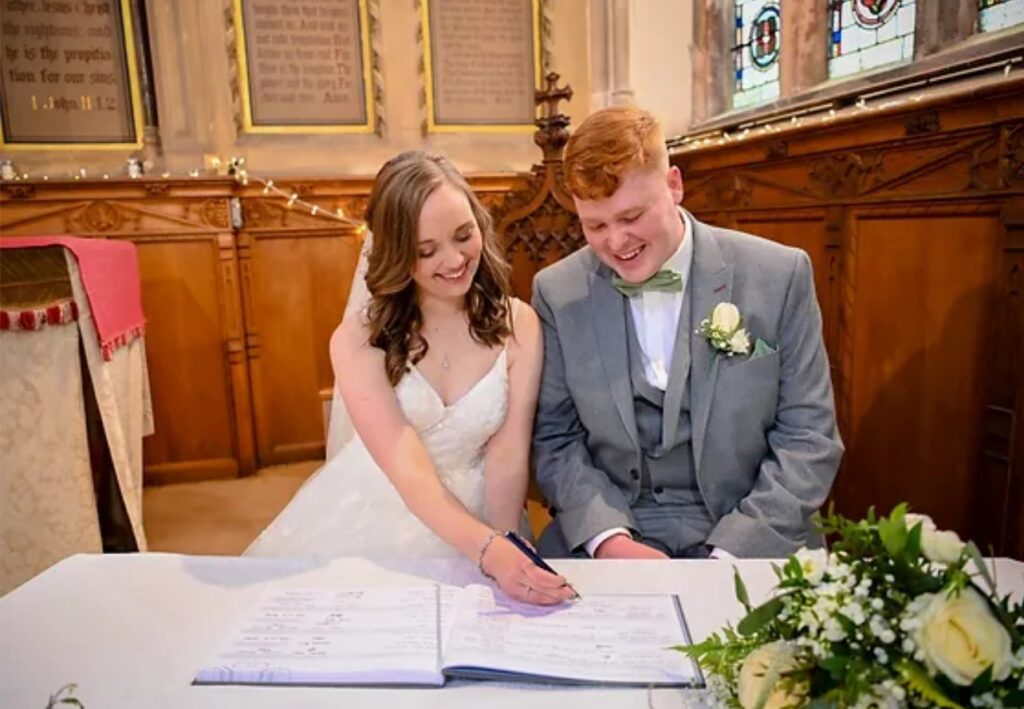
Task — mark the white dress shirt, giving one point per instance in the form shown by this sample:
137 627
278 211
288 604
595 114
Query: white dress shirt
656 315
656 320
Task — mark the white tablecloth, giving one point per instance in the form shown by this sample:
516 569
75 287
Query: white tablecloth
131 630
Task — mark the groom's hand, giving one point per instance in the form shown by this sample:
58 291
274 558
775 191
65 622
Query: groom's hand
621 546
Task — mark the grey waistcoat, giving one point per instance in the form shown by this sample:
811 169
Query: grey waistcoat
668 478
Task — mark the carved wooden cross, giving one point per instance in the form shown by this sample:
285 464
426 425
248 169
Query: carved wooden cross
548 98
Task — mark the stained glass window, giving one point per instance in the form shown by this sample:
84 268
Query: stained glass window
998 14
869 33
756 52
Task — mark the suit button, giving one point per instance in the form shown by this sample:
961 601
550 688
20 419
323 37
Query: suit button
635 474
658 490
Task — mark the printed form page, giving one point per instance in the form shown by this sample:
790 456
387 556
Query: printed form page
616 639
335 636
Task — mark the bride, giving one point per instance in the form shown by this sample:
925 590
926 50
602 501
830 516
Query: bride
438 369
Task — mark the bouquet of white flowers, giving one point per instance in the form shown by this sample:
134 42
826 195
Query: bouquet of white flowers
891 616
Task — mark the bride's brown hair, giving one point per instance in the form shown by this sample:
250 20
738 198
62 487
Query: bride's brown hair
394 319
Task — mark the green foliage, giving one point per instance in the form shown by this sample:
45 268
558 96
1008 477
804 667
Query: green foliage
760 617
919 680
845 620
741 590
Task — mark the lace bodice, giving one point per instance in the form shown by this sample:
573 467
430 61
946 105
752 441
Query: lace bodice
455 435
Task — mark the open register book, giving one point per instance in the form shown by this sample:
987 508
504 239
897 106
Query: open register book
422 635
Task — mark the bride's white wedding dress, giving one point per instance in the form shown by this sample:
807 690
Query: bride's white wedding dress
350 508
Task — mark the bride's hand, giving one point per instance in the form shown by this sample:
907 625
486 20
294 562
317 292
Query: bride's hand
520 578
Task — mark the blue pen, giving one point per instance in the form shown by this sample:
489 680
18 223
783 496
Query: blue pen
535 557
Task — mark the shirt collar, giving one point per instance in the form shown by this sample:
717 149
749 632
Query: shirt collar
682 260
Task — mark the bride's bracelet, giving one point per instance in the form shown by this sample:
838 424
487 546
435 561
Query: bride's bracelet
483 550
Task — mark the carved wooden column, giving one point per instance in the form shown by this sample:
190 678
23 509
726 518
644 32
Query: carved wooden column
836 230
234 350
538 225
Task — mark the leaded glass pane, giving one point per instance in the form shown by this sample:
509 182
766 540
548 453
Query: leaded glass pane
999 14
869 33
756 52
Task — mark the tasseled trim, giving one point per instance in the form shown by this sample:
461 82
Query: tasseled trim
60 313
125 338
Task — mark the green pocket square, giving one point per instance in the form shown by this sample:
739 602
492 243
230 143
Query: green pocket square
762 348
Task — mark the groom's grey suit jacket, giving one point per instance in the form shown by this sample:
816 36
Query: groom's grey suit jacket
764 438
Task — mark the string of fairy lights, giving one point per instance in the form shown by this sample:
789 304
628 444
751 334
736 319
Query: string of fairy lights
810 115
235 169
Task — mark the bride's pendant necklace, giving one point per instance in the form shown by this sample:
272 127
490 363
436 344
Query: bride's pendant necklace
445 363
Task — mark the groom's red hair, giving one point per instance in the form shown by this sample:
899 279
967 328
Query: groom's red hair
608 144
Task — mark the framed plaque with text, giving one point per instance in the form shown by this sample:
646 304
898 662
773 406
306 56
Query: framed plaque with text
304 66
69 79
482 64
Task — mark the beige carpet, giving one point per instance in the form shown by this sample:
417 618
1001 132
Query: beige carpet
222 517
219 516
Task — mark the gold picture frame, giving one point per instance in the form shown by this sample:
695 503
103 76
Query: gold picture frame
433 126
135 102
249 126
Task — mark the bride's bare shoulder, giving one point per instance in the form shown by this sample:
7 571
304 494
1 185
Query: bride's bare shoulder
526 330
351 335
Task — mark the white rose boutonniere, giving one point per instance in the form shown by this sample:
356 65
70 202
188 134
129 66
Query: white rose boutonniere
724 331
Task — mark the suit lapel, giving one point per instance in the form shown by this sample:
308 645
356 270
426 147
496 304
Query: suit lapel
609 318
677 373
711 284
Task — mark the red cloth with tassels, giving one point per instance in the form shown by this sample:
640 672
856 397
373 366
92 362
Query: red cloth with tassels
110 275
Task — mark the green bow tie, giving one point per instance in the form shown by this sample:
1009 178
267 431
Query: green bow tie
664 280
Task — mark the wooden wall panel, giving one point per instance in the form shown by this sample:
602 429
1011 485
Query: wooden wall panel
921 307
913 214
807 232
299 288
1000 482
189 378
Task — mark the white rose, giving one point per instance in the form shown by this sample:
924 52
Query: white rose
812 563
739 342
943 547
760 683
725 317
961 637
939 546
912 518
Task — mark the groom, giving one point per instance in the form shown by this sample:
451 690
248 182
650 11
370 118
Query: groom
650 441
